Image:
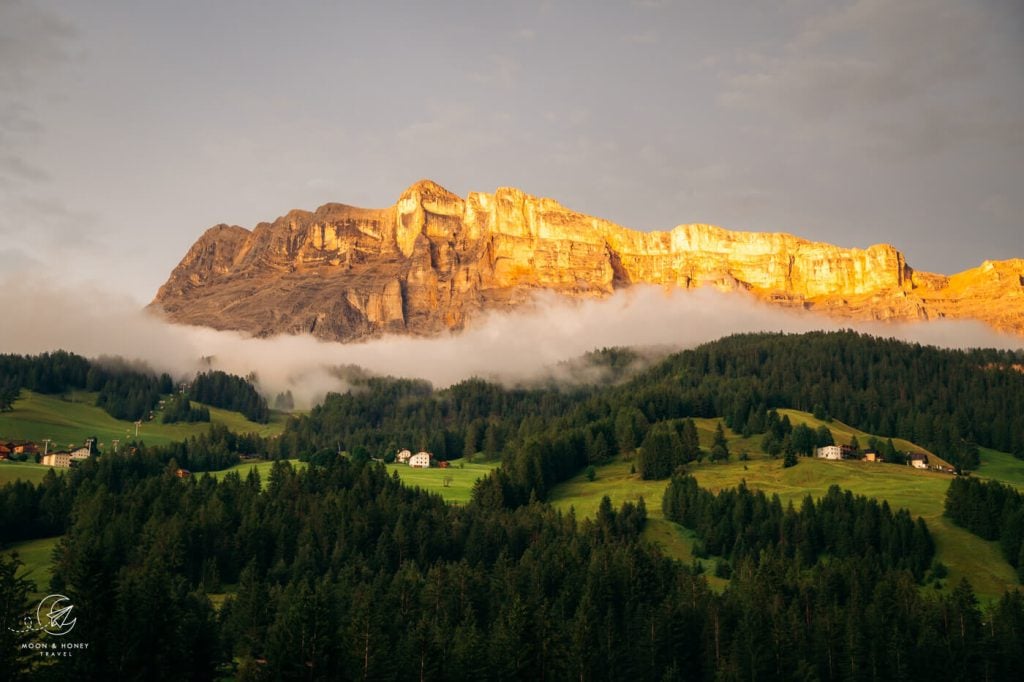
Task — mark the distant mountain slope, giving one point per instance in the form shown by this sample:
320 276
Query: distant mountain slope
434 261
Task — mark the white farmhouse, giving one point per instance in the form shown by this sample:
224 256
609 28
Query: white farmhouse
61 460
830 452
420 460
403 456
64 459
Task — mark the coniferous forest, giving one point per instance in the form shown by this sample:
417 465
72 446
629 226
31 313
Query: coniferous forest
339 571
125 390
946 400
992 511
230 392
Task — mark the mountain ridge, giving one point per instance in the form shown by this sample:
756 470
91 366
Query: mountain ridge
434 261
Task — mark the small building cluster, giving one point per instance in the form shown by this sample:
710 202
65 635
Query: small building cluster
421 460
918 460
63 459
17 447
60 459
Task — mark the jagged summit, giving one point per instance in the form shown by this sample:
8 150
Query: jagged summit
434 261
428 187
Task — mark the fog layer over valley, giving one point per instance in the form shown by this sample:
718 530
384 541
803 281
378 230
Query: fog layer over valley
522 346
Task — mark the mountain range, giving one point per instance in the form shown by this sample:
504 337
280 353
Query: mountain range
435 261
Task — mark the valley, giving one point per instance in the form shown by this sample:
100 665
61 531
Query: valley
494 341
532 506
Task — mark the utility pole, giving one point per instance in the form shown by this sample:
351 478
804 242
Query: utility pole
46 446
137 425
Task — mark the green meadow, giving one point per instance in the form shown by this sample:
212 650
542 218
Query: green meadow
262 467
22 471
37 555
920 492
71 418
1001 466
844 433
454 484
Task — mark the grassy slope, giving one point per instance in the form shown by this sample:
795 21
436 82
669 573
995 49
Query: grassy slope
37 556
23 471
37 416
843 434
262 468
1001 466
921 492
462 475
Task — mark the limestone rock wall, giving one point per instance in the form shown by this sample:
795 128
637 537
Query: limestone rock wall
434 260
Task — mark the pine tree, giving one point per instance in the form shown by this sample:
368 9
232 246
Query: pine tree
719 447
689 442
14 608
803 440
492 441
625 434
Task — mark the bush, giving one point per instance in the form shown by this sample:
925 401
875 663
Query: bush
591 473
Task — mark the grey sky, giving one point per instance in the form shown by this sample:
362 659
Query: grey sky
128 128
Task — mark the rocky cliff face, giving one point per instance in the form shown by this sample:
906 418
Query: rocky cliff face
435 260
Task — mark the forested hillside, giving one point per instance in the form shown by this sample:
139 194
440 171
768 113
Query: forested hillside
992 511
230 392
742 525
343 573
949 401
946 400
338 571
125 390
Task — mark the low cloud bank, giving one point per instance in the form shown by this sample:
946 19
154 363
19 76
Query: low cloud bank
524 345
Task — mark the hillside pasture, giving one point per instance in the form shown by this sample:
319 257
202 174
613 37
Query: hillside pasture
71 418
37 556
1001 466
922 493
22 471
261 467
454 484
